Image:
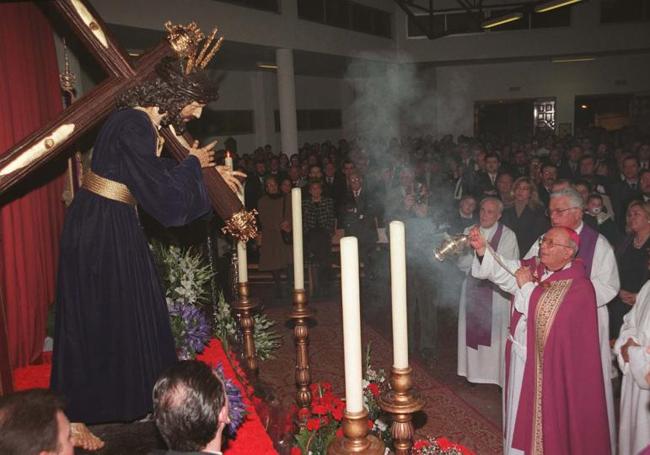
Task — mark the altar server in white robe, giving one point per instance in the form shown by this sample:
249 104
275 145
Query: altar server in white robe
565 210
484 312
489 269
634 360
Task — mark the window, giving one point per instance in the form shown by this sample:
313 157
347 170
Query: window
347 14
315 119
560 17
222 123
544 115
413 30
312 10
461 22
266 5
617 11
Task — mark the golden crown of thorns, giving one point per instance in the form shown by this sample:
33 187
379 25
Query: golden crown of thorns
190 44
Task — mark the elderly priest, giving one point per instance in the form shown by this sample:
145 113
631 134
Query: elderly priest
555 400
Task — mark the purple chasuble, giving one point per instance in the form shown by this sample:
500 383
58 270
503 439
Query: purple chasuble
478 298
588 238
562 407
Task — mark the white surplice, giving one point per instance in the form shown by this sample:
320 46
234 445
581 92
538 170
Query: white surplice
486 365
489 269
634 427
604 277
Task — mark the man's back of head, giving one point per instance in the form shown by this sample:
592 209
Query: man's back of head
190 407
33 423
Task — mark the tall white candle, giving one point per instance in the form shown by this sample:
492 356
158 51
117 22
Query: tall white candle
242 262
398 294
351 324
296 218
242 254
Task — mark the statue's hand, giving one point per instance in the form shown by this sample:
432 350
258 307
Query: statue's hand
232 178
205 154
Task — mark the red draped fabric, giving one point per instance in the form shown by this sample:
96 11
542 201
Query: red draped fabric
31 216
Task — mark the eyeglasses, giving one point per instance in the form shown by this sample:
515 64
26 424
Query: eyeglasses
558 211
550 243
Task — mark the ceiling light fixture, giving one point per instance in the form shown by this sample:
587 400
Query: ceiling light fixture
584 106
573 59
500 20
554 4
267 66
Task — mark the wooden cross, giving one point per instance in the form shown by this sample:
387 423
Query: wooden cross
49 141
53 138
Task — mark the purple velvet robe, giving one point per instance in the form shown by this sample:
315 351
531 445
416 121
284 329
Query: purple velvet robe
112 332
562 408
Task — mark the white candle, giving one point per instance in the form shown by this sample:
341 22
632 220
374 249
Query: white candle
296 218
242 262
228 160
242 254
398 294
351 324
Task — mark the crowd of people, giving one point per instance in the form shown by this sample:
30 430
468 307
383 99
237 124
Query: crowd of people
596 186
554 288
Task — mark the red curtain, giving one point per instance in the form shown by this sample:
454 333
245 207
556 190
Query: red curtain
31 217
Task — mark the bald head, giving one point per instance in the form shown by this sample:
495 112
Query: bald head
558 247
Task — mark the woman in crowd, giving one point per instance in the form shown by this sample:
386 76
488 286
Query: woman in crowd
285 186
275 218
526 216
632 257
318 226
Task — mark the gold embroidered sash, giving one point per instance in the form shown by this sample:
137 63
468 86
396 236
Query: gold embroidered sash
107 188
547 308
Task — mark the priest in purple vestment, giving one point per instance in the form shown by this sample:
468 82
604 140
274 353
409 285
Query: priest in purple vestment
562 408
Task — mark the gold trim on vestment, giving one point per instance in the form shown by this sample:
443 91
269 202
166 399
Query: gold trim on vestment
547 308
107 188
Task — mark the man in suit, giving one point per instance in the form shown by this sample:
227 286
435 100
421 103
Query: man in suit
569 169
624 191
486 181
333 183
644 184
190 409
358 216
549 176
254 188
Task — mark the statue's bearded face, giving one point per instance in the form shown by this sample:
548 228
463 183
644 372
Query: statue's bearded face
192 111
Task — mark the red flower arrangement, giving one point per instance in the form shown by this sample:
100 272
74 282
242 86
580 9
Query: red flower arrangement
439 446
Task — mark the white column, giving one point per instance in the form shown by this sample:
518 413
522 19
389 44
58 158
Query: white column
287 101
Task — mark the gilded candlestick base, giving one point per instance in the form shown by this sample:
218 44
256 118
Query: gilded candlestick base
401 401
244 306
355 437
300 315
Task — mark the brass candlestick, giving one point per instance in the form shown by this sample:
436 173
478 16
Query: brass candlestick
300 315
401 401
355 437
244 306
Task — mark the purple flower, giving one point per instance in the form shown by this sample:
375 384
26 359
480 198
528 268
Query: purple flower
190 328
236 407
